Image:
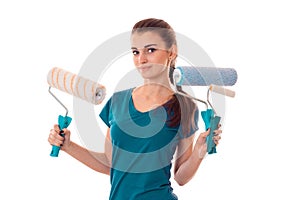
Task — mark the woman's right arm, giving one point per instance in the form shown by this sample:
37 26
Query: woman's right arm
100 162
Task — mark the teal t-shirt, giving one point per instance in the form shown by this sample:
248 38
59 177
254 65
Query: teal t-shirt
143 146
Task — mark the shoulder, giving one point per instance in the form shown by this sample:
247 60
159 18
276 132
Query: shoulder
116 100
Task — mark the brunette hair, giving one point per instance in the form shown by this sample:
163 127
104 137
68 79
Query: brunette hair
180 108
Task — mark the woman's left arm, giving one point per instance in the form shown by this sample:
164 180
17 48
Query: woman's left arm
190 156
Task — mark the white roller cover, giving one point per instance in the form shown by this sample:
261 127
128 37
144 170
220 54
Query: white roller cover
81 87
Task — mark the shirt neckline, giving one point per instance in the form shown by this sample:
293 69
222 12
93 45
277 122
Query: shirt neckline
145 112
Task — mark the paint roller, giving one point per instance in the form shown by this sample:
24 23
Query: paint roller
213 77
204 76
78 86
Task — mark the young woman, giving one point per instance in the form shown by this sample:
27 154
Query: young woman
146 125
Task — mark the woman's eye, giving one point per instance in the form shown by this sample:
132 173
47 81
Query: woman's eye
135 52
151 50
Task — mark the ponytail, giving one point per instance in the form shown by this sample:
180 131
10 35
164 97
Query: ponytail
181 108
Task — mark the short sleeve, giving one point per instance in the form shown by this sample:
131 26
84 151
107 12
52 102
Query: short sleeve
106 113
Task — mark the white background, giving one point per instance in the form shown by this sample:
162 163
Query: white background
258 157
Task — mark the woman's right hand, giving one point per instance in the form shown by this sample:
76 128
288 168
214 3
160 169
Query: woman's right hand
57 140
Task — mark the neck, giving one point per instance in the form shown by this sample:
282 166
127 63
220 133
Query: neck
155 89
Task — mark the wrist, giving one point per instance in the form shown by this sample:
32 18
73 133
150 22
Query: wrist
201 151
68 147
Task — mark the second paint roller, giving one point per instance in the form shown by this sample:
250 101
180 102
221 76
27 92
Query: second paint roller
80 87
204 76
207 76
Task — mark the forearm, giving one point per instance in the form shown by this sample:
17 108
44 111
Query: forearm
187 170
95 161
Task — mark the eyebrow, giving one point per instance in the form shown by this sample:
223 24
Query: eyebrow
148 45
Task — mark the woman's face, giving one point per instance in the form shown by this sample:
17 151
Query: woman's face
150 55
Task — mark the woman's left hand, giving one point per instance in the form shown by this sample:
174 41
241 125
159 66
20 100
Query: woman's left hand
217 134
201 141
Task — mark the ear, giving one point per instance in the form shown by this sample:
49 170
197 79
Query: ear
173 52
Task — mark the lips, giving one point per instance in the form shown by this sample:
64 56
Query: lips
144 67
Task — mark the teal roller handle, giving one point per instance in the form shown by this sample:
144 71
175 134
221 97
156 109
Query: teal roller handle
211 146
56 149
211 122
63 122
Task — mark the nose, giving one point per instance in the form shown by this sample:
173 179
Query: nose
142 58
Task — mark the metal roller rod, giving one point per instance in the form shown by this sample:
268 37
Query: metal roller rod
67 111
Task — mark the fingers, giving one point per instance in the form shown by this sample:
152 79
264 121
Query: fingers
216 139
217 131
56 128
204 134
66 131
217 134
202 137
55 138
